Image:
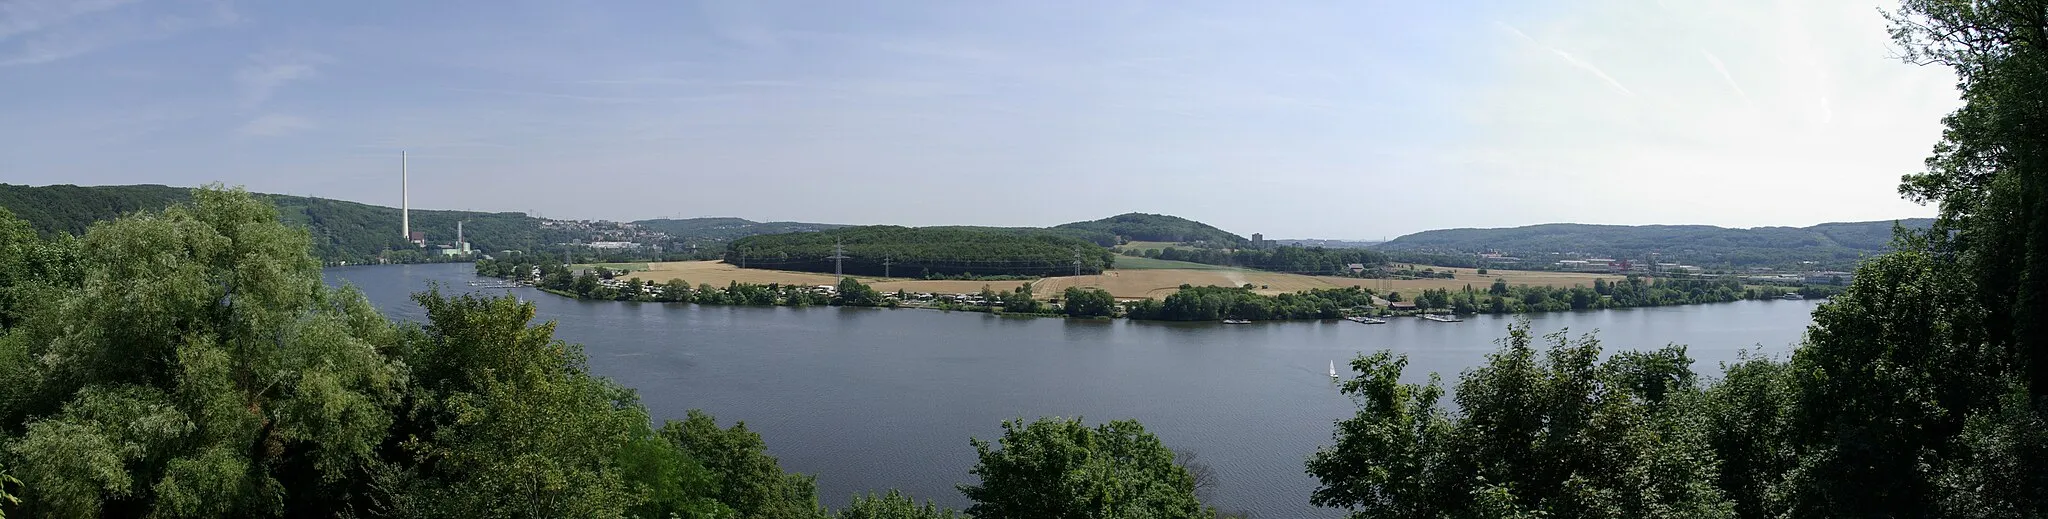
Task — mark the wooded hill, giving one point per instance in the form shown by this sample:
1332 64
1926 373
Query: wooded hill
1159 227
720 228
353 232
341 230
924 252
1830 244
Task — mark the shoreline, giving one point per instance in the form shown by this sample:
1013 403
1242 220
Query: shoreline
1388 317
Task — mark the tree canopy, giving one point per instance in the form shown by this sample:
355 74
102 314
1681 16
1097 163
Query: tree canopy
923 252
1159 227
1058 468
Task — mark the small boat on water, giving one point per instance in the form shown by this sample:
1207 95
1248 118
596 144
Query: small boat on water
1441 318
1794 296
1333 369
1236 321
1360 319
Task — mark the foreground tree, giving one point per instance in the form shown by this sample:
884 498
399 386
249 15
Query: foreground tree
750 481
1058 468
505 421
1557 434
893 505
202 370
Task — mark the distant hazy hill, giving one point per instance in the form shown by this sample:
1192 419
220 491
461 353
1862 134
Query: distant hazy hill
1833 244
1159 227
1327 244
727 228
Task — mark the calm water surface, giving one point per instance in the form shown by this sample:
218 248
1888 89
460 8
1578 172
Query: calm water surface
871 399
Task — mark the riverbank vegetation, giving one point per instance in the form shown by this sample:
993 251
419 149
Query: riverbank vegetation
1189 303
1631 292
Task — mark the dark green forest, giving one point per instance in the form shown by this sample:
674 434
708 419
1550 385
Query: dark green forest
1159 227
1211 303
341 231
921 252
1834 245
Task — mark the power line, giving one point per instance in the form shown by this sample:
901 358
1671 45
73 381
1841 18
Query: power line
838 259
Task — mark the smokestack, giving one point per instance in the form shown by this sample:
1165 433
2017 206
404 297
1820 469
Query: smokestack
404 199
458 237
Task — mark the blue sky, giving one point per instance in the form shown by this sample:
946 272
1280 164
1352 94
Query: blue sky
1354 119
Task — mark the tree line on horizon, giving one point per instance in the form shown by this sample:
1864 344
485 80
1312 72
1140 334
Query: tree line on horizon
923 252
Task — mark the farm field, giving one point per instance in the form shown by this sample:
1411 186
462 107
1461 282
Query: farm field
1137 263
720 274
1124 284
1142 245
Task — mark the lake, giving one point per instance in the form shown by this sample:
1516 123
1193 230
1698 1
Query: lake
871 399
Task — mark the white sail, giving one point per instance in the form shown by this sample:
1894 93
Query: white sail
1333 369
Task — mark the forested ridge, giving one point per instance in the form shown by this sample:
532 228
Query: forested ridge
1833 244
880 250
340 230
1159 227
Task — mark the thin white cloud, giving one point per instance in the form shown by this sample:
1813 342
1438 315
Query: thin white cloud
1569 58
28 16
275 125
34 32
1725 76
268 71
556 95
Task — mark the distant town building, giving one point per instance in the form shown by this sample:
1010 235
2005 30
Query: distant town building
613 245
1258 241
419 238
1829 277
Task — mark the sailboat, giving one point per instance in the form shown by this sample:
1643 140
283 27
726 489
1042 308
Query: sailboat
1333 369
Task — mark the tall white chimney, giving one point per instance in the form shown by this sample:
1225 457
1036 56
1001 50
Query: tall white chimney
404 199
459 244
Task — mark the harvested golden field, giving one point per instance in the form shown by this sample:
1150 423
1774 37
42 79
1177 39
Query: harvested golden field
1136 284
1124 284
1468 277
719 274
